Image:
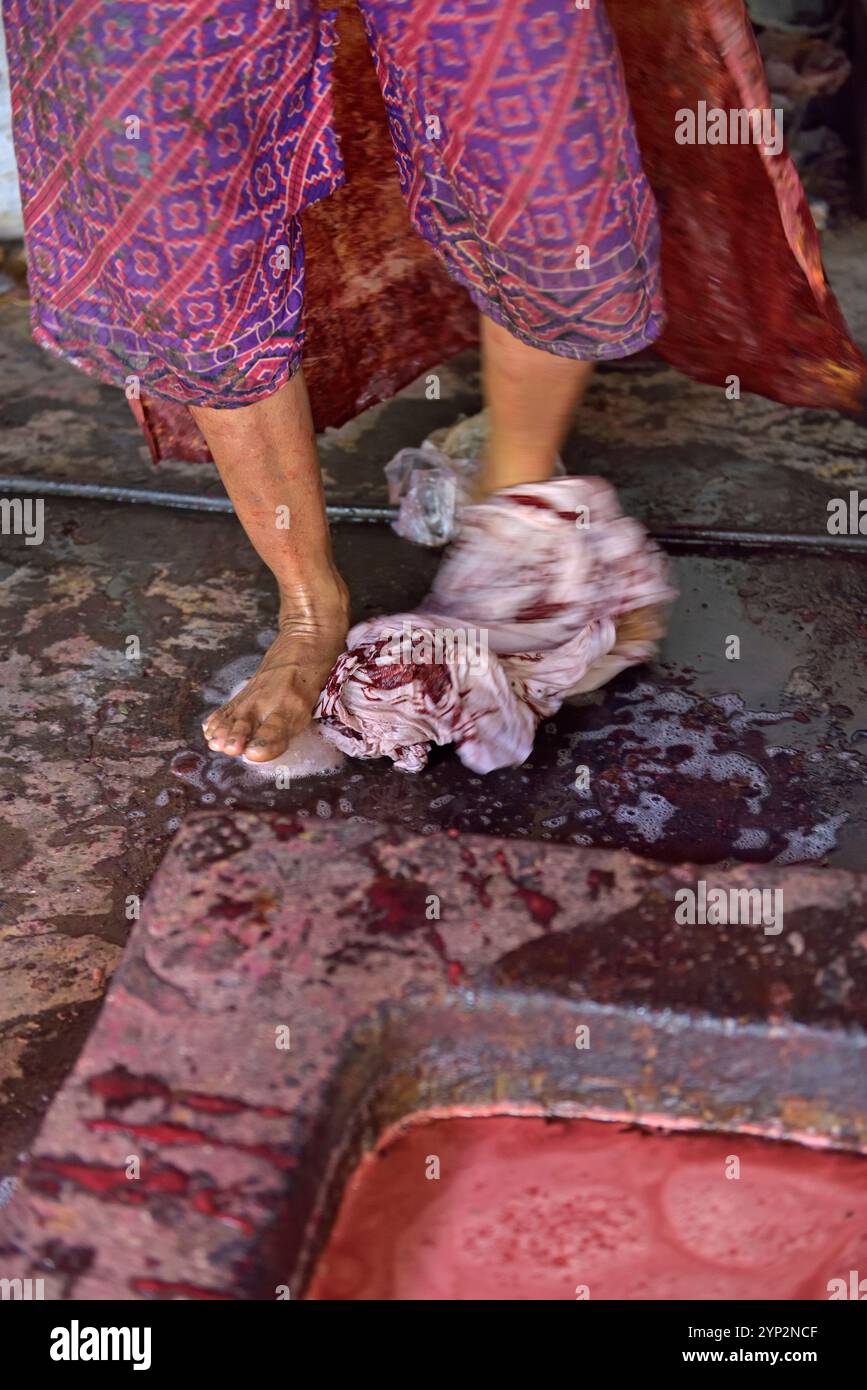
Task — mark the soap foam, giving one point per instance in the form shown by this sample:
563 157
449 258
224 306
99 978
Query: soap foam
308 754
811 844
657 732
648 818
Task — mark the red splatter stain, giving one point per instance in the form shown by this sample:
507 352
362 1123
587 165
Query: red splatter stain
478 883
111 1183
168 1134
597 879
165 1288
286 829
538 612
211 1203
186 764
394 905
163 1133
229 909
223 1105
523 499
119 1088
541 908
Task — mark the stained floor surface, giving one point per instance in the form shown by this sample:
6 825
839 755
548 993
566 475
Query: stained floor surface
702 757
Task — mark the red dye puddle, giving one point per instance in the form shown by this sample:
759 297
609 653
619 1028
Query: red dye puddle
528 1209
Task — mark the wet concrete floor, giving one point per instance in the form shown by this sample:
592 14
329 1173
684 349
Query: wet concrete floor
701 757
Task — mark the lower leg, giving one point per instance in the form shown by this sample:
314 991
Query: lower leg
531 397
266 455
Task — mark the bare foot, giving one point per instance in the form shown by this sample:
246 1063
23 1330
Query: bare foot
279 700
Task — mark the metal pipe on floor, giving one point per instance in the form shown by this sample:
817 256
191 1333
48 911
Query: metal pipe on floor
155 497
673 538
690 537
109 492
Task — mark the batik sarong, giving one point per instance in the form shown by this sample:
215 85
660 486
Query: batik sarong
167 149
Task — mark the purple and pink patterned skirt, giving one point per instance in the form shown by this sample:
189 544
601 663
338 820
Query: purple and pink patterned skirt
167 149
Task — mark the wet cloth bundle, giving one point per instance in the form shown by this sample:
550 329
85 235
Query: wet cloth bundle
549 591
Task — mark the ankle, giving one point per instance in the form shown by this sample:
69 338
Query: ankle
502 472
321 589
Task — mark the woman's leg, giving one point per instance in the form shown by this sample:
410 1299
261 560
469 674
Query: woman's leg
266 454
169 252
520 166
531 396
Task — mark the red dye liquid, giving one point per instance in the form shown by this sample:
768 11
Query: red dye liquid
527 1209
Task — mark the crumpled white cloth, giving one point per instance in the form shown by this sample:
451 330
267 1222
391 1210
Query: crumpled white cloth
548 591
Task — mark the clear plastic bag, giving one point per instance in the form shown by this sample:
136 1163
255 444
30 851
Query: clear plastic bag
430 484
429 488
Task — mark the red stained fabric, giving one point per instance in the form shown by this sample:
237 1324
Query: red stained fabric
744 285
548 591
745 290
